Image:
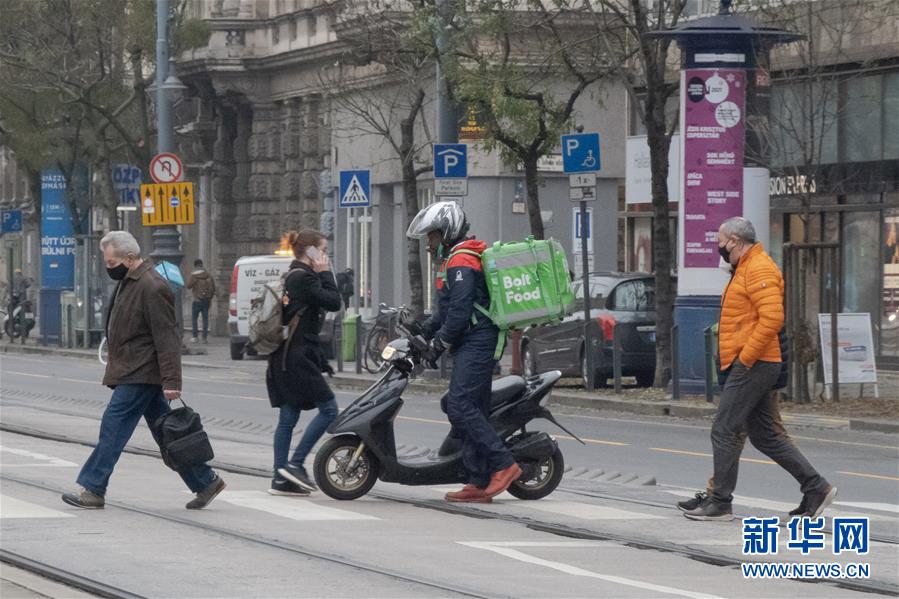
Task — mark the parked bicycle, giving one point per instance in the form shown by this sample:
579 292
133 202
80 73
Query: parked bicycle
382 332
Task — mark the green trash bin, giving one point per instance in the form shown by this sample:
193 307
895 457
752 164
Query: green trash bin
348 338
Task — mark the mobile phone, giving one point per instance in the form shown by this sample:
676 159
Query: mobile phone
312 252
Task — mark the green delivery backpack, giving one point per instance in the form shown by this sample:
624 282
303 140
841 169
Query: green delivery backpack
528 283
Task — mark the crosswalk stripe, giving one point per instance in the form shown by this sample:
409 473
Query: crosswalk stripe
16 508
289 507
879 507
781 506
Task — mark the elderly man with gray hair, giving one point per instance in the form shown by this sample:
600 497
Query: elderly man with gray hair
752 316
144 371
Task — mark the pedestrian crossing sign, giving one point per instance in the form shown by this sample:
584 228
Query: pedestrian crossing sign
355 189
167 204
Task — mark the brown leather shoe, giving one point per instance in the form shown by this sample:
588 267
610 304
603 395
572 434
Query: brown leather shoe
501 480
468 494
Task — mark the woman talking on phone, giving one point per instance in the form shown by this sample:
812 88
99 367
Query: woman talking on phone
294 376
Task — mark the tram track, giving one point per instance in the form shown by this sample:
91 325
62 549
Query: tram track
562 530
95 587
245 537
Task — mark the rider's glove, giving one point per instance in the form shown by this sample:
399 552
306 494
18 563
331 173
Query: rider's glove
435 349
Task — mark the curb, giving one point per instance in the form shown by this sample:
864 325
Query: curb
10 348
882 426
645 408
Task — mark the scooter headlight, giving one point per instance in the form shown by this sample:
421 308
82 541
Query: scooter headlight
388 353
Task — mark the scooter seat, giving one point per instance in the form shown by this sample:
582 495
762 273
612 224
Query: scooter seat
506 389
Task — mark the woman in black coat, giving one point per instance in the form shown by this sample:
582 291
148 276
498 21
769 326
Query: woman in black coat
294 376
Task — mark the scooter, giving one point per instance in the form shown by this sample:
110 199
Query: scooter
19 317
363 448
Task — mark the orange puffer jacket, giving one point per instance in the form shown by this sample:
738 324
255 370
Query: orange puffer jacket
752 311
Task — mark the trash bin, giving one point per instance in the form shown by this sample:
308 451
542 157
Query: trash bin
348 338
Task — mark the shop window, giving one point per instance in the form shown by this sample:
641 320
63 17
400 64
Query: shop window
861 138
891 116
787 126
860 263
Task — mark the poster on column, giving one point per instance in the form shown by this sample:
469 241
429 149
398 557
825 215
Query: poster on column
714 137
57 234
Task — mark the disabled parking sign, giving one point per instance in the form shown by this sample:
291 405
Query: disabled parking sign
580 153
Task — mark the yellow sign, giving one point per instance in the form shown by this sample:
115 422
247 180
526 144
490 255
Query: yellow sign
167 204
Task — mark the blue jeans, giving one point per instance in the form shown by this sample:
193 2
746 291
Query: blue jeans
287 420
128 404
200 307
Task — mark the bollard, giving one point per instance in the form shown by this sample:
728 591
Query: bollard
675 366
358 344
709 360
338 340
589 362
616 358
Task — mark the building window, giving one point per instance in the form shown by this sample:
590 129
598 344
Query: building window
293 29
276 34
862 125
889 325
312 27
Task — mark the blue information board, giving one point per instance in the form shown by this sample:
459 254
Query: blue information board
57 234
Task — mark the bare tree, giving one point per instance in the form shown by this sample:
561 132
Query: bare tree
384 58
522 66
644 64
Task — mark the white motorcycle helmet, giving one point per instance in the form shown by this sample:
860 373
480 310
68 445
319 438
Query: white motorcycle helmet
446 217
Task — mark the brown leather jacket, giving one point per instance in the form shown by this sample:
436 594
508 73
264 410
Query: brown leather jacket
142 333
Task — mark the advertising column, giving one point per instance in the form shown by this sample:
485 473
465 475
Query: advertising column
57 252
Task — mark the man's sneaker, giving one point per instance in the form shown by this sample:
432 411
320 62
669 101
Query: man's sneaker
286 487
194 340
205 341
711 510
206 496
802 509
297 475
818 501
85 499
691 504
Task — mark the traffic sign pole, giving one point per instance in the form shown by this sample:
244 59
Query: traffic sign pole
580 160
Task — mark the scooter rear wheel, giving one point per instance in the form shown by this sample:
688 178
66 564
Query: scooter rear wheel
331 473
546 476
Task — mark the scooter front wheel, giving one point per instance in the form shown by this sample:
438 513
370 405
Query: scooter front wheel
545 476
333 475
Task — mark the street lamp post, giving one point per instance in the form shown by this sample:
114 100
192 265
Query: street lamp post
166 240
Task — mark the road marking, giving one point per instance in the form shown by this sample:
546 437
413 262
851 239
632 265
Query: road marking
708 455
879 507
506 549
220 395
426 420
868 475
292 508
15 508
36 376
585 511
49 459
592 441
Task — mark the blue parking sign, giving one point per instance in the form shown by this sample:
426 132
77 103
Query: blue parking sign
580 152
12 221
450 161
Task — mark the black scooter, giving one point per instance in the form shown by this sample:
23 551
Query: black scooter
363 449
19 317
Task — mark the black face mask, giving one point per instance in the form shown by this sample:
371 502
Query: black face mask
117 273
725 253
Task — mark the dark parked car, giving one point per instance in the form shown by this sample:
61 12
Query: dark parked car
623 300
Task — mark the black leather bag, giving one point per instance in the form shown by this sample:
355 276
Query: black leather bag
181 439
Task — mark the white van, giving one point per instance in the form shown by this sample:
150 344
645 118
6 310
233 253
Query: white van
250 274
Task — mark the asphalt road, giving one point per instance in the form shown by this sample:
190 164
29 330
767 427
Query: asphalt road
677 452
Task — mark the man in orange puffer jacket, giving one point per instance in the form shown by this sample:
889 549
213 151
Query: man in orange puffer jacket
752 315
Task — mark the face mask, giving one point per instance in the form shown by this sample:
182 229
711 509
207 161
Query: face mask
725 253
117 273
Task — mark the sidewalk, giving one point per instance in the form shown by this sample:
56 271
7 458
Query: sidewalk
851 414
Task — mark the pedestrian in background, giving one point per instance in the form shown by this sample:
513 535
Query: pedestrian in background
202 285
294 377
144 371
346 287
752 316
